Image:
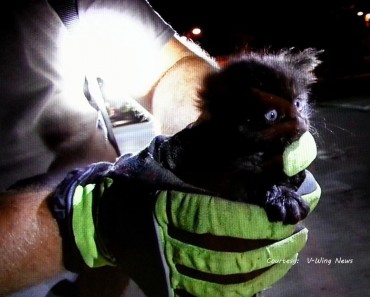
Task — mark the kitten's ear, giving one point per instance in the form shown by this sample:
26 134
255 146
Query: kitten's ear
306 60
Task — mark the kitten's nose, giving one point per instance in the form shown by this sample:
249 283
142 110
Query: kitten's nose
302 125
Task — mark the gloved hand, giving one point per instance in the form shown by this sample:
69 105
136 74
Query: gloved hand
214 247
174 239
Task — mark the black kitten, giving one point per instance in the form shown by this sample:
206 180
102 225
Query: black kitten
251 110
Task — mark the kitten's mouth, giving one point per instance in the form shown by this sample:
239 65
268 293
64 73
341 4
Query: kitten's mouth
286 141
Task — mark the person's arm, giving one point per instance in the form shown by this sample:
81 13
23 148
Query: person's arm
30 244
175 96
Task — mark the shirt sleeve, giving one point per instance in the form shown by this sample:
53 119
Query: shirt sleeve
134 13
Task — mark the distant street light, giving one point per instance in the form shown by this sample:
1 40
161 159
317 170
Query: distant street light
196 31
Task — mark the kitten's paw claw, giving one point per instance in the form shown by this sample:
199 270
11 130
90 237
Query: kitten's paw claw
283 204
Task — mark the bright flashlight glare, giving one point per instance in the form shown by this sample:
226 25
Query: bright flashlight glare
360 13
367 17
114 48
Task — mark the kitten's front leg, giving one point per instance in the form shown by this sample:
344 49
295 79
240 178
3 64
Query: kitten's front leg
284 204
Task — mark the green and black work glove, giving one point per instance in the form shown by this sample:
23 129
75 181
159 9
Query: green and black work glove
174 239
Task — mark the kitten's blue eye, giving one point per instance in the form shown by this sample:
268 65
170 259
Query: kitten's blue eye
299 104
271 115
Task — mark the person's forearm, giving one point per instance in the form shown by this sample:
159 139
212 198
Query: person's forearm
175 97
30 244
172 99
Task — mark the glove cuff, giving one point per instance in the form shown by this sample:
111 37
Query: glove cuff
75 204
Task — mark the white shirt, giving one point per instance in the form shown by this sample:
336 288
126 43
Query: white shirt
43 67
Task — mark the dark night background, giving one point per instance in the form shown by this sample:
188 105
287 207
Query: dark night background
230 25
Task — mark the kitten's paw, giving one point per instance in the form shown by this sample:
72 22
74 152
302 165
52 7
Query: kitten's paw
283 204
